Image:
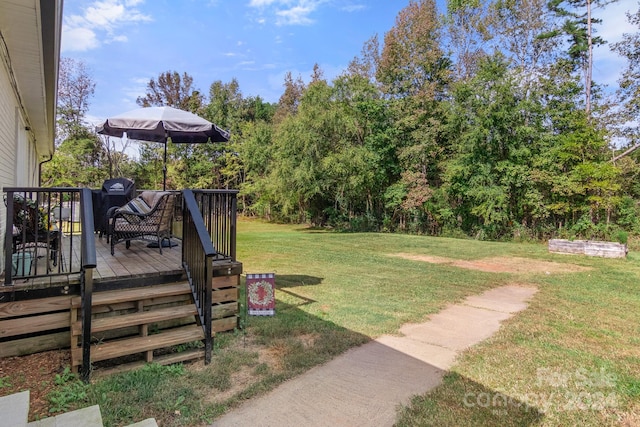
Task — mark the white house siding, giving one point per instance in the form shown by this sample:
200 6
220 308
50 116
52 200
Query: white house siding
17 152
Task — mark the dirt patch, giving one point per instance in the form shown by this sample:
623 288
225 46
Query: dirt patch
271 357
36 373
500 264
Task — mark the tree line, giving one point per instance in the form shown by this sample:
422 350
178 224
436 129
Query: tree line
483 121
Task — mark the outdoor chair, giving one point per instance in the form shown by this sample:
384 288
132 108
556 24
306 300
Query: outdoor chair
33 229
147 217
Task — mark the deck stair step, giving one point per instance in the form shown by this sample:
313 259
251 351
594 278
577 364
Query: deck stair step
140 321
145 317
135 294
139 344
138 325
167 359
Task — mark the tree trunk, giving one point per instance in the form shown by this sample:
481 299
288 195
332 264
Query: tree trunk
589 65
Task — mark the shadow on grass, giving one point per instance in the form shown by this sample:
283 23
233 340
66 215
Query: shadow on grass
370 379
293 280
460 401
296 280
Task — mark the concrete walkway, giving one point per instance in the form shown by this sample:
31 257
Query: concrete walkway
365 385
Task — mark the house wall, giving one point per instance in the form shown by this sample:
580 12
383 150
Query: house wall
18 159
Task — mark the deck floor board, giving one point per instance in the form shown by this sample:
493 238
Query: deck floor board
137 261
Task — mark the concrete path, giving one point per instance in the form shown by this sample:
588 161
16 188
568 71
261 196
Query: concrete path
365 385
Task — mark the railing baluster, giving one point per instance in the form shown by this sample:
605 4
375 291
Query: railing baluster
197 259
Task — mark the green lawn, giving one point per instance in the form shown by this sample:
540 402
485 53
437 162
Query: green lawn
573 357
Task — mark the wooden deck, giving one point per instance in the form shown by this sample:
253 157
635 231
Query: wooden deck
134 291
137 262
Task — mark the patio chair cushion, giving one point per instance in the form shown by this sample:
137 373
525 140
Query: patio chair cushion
153 226
137 206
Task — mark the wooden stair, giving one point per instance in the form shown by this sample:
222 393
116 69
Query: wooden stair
138 321
135 321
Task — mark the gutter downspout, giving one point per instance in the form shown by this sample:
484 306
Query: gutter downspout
40 169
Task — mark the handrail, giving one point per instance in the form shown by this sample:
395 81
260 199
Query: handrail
197 259
87 238
203 235
88 260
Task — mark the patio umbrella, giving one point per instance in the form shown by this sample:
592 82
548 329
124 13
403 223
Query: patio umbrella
158 124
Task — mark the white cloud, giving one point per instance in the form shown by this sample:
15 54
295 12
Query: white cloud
79 39
100 21
121 39
263 3
297 15
287 12
354 7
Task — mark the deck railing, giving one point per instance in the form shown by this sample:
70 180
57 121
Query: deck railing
40 226
219 211
39 243
197 259
39 230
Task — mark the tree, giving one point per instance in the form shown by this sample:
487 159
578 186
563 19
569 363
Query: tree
519 25
225 103
118 162
577 25
78 158
468 30
289 100
489 176
412 62
173 90
629 91
366 64
415 74
75 89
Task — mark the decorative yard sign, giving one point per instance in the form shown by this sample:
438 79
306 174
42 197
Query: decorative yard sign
261 294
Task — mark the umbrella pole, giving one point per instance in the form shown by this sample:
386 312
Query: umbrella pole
164 165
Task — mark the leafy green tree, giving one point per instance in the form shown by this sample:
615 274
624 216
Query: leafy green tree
75 89
321 169
489 177
290 98
468 33
78 159
629 91
414 73
174 90
577 25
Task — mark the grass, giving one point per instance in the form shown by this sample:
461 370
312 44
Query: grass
571 358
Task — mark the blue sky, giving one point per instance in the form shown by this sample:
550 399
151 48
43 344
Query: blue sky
125 43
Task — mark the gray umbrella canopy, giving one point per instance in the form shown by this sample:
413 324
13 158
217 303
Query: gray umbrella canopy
158 124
